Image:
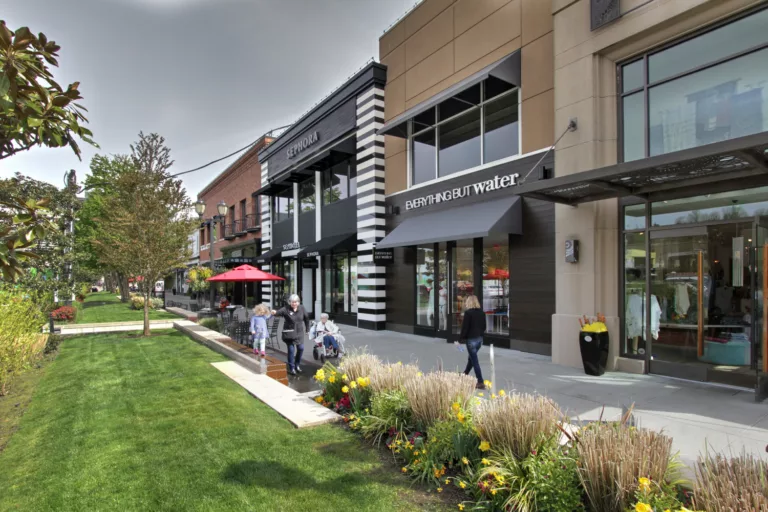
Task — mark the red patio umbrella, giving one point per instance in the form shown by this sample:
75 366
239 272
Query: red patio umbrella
244 274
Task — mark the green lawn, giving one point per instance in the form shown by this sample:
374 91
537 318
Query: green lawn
120 422
106 307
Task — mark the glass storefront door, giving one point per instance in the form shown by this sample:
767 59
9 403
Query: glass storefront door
433 303
760 308
463 281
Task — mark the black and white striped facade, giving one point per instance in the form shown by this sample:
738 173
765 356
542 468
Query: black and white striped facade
266 235
371 312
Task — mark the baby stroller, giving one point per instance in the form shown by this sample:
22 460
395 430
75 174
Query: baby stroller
321 352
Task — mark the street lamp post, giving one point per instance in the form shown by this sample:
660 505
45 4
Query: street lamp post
221 208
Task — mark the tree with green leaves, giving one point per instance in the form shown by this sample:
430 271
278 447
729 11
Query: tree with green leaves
34 109
145 233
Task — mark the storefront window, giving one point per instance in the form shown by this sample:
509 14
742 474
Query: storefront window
501 128
463 280
307 195
634 216
327 283
635 272
353 284
340 283
339 182
455 144
459 143
690 103
496 284
282 205
425 285
740 204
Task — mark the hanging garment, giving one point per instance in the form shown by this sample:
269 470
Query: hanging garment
682 301
635 316
655 317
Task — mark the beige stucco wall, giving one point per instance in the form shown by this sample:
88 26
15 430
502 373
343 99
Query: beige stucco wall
585 87
442 42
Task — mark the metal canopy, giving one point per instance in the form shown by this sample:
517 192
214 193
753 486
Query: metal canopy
268 256
471 221
743 157
346 242
507 69
271 189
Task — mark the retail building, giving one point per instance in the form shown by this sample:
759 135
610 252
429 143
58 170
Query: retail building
236 236
323 204
469 115
664 184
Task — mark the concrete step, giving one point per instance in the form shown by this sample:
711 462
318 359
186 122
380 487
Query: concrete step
300 410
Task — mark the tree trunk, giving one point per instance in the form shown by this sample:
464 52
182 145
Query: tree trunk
146 313
122 284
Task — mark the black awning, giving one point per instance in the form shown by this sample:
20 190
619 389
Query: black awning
507 69
470 221
271 189
346 242
733 159
266 257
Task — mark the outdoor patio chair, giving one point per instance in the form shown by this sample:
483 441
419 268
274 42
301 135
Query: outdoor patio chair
273 342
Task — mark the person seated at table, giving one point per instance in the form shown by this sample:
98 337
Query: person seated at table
328 330
225 301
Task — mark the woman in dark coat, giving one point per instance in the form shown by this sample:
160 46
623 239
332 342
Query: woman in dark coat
295 328
472 330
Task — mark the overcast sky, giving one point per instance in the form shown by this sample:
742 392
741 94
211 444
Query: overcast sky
209 75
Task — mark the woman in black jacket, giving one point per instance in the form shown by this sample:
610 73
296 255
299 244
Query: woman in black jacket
472 330
295 328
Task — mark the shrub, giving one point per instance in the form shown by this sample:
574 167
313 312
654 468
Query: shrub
612 459
520 423
544 480
210 323
20 339
137 302
64 313
739 483
359 364
52 343
389 410
432 396
654 496
390 377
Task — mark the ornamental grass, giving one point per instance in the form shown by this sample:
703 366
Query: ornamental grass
612 458
519 423
432 395
359 363
392 377
731 484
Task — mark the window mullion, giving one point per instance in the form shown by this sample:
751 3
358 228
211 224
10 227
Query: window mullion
437 147
482 123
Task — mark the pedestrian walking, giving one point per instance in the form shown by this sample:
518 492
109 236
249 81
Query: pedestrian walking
472 330
295 328
259 331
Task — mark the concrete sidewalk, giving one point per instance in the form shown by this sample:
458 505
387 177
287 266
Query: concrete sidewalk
694 415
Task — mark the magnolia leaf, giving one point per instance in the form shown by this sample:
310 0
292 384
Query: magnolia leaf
34 122
5 84
20 218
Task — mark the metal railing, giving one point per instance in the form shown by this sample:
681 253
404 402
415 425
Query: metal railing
229 230
252 222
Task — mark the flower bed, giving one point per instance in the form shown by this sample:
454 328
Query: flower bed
505 451
64 314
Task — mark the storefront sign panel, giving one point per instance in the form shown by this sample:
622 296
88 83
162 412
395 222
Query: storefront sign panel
497 183
291 246
383 256
303 144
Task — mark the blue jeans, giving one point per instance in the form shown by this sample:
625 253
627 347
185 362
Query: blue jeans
473 345
295 351
330 341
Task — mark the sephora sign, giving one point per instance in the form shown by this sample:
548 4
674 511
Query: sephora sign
497 183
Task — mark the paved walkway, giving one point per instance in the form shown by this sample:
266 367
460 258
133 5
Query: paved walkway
74 329
695 415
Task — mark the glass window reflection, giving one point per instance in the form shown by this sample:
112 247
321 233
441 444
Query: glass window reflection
459 144
501 128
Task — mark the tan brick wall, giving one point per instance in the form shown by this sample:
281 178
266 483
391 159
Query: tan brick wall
441 42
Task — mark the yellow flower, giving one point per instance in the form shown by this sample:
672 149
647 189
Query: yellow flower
487 383
331 379
485 461
501 392
345 389
344 377
499 478
404 470
399 363
461 507
493 491
319 399
351 416
485 446
644 484
439 489
361 382
460 417
416 452
481 394
398 442
642 507
353 384
462 485
456 407
493 395
447 481
419 374
320 375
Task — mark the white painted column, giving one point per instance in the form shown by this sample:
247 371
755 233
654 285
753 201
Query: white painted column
319 236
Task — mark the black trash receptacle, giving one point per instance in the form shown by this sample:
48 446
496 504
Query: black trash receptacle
594 352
